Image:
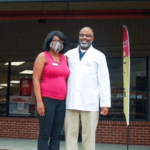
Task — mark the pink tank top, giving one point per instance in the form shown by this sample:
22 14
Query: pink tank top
53 83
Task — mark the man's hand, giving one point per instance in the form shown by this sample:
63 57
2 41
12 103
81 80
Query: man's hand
104 111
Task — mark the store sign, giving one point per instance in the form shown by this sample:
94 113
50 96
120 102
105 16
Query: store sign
25 87
20 99
19 105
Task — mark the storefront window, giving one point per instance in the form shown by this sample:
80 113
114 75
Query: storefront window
138 89
116 79
21 100
3 89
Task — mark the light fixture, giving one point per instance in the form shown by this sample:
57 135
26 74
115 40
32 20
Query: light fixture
16 63
4 84
14 81
26 72
1 87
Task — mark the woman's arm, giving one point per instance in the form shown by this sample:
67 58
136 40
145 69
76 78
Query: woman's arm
37 73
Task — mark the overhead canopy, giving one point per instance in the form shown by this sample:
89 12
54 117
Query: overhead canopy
7 1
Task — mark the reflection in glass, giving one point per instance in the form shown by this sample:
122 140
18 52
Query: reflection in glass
138 89
116 79
22 101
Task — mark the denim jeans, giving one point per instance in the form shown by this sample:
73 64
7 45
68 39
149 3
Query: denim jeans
51 125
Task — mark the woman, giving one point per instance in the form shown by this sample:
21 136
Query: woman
49 78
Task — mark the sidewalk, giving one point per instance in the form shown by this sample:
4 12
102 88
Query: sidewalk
25 144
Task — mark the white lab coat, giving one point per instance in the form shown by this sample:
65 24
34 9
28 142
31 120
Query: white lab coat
88 82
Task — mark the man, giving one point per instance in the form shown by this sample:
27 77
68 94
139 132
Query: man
88 89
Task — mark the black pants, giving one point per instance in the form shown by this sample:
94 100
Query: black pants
51 125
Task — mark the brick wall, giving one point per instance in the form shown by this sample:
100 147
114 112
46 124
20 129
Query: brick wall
13 127
115 132
112 132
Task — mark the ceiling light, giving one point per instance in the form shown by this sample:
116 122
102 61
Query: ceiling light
5 84
16 63
14 81
26 72
1 87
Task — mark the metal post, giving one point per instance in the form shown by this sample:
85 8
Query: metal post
8 87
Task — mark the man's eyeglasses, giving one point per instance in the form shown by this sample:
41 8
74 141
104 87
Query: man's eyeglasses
86 35
60 41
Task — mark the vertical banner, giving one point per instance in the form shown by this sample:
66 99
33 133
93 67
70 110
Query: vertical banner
25 87
126 73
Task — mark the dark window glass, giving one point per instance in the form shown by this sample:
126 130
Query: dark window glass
3 88
138 89
116 79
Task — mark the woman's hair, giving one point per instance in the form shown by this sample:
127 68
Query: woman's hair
49 39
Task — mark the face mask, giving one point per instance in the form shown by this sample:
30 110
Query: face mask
56 47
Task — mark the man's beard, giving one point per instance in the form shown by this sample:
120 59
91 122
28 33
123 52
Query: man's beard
85 46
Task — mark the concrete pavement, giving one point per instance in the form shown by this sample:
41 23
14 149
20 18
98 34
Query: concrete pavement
26 144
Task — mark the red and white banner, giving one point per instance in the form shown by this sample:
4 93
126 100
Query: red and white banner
126 73
25 87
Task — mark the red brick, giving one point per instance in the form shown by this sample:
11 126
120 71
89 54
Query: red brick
110 132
